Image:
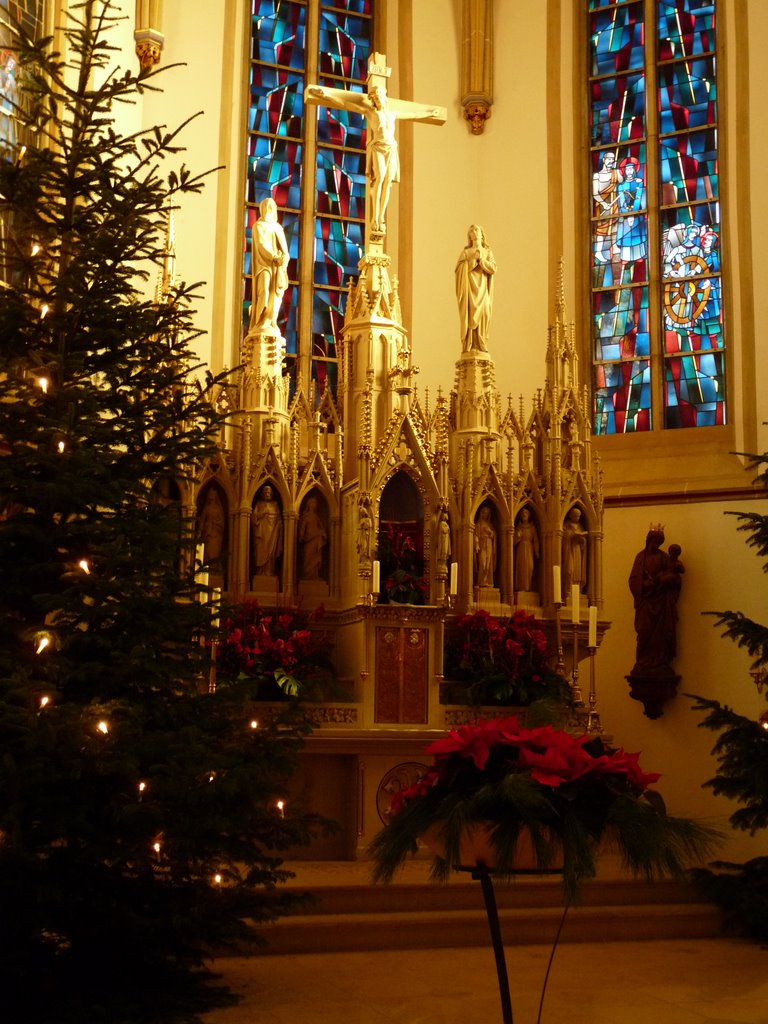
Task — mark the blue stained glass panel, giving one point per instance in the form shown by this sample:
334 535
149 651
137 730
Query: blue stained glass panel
341 183
694 387
685 29
277 101
326 374
336 127
344 46
278 33
27 13
622 397
687 95
327 320
338 250
620 324
274 169
617 39
689 166
618 109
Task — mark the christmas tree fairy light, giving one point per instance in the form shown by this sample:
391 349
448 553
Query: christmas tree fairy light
103 727
43 641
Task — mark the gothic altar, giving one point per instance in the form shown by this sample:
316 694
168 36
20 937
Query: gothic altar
398 510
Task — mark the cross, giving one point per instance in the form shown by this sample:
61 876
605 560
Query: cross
381 112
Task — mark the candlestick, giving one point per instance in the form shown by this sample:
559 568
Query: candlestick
376 584
592 641
575 604
557 586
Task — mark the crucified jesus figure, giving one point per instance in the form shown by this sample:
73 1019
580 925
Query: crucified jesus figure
382 161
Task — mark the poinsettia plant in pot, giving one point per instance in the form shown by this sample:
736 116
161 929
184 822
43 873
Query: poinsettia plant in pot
502 661
284 651
564 797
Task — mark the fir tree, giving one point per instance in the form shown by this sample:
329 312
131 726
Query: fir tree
139 826
742 755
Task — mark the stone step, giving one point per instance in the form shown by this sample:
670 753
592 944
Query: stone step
332 933
464 895
348 912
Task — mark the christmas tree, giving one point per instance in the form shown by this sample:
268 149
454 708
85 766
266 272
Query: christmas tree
742 754
142 808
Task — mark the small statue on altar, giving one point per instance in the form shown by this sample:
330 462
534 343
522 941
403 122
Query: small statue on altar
312 540
211 527
485 548
443 540
266 532
526 547
574 551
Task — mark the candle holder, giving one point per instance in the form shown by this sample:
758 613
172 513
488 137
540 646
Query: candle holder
594 728
578 700
560 666
212 669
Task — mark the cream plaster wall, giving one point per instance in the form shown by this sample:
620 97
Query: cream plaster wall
461 179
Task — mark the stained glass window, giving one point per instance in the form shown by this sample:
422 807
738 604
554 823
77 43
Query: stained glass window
657 311
312 163
13 133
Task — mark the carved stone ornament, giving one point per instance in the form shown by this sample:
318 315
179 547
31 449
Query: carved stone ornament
477 114
149 46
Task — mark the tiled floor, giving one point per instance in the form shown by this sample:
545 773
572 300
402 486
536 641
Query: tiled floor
721 981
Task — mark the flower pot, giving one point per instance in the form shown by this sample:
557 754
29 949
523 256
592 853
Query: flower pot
476 848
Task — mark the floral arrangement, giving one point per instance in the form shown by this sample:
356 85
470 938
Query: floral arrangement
570 796
277 649
402 567
503 661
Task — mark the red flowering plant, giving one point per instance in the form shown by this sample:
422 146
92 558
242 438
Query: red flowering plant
283 650
572 795
402 566
502 661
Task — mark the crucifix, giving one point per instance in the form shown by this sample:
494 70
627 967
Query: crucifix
381 112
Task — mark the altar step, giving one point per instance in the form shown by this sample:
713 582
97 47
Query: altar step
416 914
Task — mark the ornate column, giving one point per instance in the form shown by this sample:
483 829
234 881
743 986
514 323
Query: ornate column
477 63
149 38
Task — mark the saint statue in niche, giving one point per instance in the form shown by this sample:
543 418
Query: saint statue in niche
574 552
312 540
526 547
266 532
485 548
211 526
474 291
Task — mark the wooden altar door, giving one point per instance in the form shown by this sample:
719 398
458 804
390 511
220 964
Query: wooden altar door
401 675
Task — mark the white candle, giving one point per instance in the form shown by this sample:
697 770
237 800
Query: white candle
592 642
454 577
575 604
217 602
556 584
376 585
